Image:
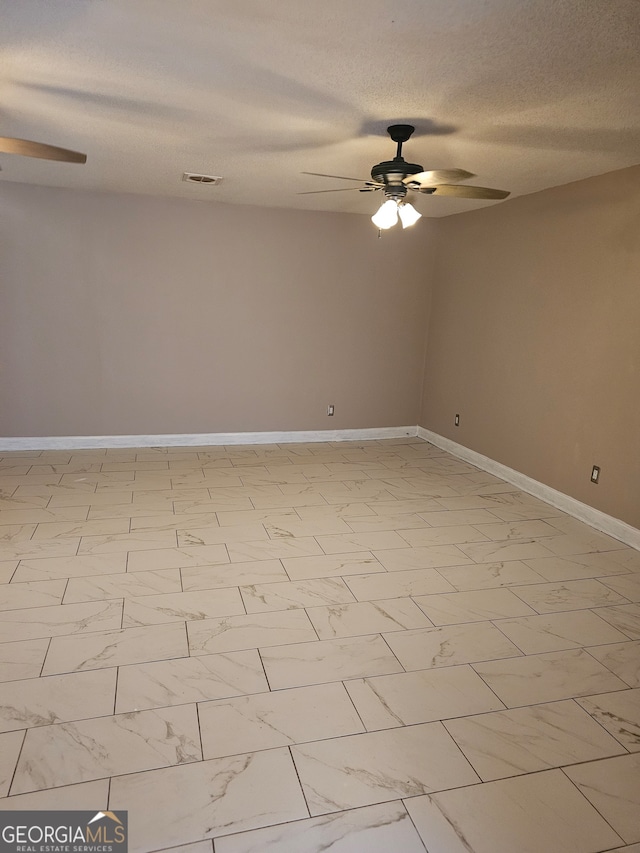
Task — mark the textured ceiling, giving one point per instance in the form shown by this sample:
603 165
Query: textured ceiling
526 94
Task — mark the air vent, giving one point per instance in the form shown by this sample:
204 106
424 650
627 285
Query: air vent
192 178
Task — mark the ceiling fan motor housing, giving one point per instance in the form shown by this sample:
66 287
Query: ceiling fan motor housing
392 172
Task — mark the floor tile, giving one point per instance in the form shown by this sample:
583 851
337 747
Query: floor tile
216 535
197 847
490 552
410 582
576 567
177 558
273 549
360 770
267 720
449 645
215 503
628 558
40 548
366 617
81 751
373 829
583 543
299 568
46 568
256 516
189 679
10 533
626 585
328 660
233 633
259 598
62 529
59 698
22 659
115 648
554 632
613 786
7 570
570 595
625 617
37 516
234 574
526 740
429 557
182 606
512 815
379 523
618 713
621 658
453 535
58 620
170 520
349 542
547 677
123 585
140 540
389 701
450 518
17 596
86 796
217 797
480 605
502 531
489 575
322 528
10 746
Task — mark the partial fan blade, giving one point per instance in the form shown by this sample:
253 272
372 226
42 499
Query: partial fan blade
9 145
469 192
337 177
341 190
437 176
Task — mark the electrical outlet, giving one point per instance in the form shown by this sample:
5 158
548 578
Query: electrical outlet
330 410
457 420
595 474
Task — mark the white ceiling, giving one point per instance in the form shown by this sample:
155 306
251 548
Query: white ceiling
526 94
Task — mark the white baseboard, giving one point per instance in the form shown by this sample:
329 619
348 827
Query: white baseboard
594 517
80 442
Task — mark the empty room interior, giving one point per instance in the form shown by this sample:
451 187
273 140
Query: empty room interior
320 425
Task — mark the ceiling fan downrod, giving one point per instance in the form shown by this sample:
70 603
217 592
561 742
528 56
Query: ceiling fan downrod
391 173
400 133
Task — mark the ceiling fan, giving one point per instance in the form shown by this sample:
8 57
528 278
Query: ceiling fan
27 148
395 177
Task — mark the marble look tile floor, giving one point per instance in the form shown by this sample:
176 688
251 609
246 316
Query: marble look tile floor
355 647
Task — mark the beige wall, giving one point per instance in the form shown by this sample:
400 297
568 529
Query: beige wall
132 315
534 338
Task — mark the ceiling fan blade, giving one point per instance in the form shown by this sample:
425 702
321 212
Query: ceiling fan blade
341 190
469 192
437 176
10 145
337 177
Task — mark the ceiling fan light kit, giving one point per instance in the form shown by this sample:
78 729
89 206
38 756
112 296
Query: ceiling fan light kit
396 177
